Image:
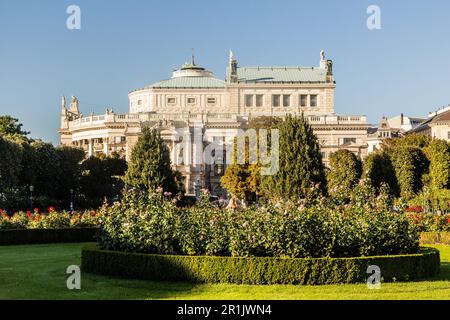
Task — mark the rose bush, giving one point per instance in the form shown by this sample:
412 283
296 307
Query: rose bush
151 223
50 220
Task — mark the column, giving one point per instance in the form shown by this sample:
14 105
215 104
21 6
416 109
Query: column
90 148
105 146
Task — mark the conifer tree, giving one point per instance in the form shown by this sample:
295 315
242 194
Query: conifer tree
149 167
345 170
438 153
300 162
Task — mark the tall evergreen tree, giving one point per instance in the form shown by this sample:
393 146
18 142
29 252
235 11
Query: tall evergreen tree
149 167
300 162
378 169
345 169
409 164
438 152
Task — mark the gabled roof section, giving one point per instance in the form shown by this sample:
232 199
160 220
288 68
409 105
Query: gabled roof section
280 75
444 116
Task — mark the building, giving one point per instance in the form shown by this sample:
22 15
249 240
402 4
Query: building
437 125
375 136
404 123
196 105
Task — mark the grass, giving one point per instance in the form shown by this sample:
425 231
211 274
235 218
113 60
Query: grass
38 272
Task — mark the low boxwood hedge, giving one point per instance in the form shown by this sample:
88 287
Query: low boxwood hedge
435 238
41 236
257 270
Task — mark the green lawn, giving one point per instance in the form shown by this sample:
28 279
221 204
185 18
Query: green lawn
38 272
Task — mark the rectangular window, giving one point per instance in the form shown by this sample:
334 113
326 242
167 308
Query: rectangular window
303 100
313 100
276 100
324 154
349 140
139 102
171 100
211 100
191 100
259 100
249 100
286 100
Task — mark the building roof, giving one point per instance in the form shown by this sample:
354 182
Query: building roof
280 74
189 82
425 125
444 116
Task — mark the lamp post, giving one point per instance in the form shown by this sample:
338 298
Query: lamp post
71 200
31 197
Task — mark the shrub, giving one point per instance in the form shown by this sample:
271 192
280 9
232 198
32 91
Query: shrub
431 238
300 162
148 223
52 220
378 169
426 222
345 169
409 164
432 200
438 152
141 222
149 167
257 270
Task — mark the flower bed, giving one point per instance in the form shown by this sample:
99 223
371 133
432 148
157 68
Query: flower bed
429 238
149 224
428 222
48 220
257 270
51 227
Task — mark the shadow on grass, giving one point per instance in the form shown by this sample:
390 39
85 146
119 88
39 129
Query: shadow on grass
444 274
112 287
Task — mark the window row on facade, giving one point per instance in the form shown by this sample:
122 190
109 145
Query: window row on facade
171 101
281 100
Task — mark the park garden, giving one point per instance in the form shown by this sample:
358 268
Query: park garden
305 225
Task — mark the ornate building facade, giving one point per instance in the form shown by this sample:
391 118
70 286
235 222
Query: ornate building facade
195 104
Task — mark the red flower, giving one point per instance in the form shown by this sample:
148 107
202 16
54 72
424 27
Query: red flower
36 210
50 209
416 209
28 214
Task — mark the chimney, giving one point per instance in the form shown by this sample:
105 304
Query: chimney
401 119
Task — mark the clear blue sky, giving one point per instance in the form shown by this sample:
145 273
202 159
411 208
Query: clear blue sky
123 45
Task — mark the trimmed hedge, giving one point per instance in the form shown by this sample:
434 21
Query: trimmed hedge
257 270
41 236
435 238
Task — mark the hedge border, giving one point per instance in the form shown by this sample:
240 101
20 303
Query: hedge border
43 236
257 270
429 238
